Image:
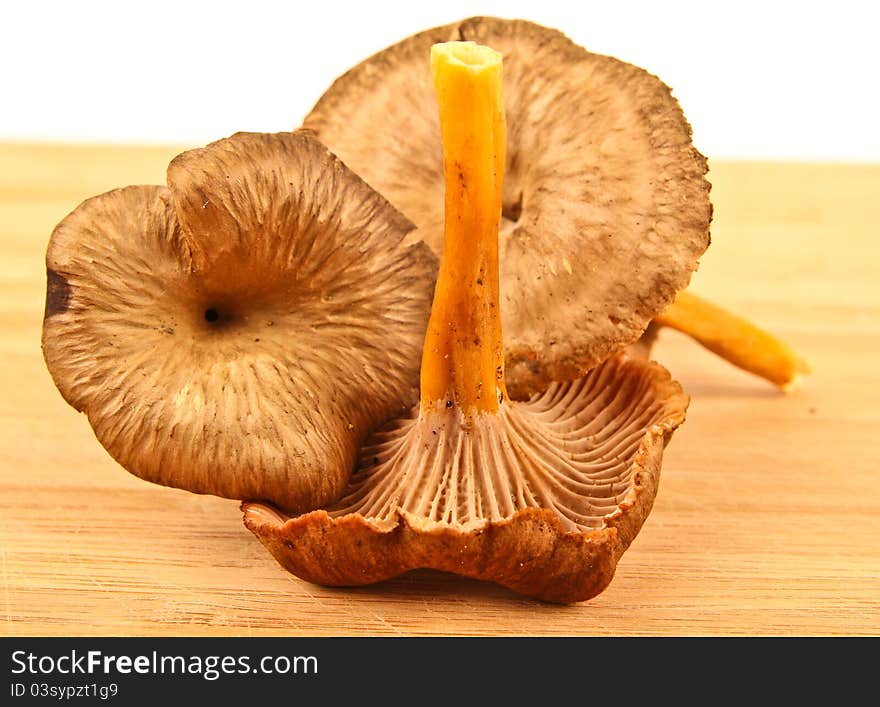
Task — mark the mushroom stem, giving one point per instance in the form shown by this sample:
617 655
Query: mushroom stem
463 356
735 339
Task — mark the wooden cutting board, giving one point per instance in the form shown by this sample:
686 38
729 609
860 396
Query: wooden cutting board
767 520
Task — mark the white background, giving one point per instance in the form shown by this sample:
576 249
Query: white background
773 80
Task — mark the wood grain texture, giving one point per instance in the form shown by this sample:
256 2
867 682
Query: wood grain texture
766 521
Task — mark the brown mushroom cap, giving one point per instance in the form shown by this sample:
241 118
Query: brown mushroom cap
543 497
606 208
239 332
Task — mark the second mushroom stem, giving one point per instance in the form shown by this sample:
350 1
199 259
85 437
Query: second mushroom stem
735 339
463 357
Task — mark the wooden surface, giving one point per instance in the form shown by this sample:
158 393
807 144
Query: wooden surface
767 519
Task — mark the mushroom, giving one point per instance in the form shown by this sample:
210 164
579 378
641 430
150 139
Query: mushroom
239 332
541 496
605 208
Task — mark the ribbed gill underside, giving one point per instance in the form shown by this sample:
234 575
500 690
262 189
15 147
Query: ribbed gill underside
569 449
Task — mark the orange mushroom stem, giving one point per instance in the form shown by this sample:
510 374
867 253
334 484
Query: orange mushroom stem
735 339
463 356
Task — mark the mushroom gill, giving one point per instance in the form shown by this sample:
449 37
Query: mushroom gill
569 449
605 209
541 496
241 331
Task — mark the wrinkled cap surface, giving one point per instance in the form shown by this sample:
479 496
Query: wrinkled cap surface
239 332
543 497
606 208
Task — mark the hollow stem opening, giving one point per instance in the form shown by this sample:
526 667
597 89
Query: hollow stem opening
463 357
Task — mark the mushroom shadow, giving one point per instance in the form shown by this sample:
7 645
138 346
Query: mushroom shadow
728 390
421 584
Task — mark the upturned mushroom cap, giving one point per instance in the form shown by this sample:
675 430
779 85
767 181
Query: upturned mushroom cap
606 208
239 332
543 497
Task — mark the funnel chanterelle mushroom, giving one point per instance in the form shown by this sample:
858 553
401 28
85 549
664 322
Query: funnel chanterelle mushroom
605 208
239 332
542 496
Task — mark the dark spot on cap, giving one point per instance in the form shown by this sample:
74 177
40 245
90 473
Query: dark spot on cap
57 293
